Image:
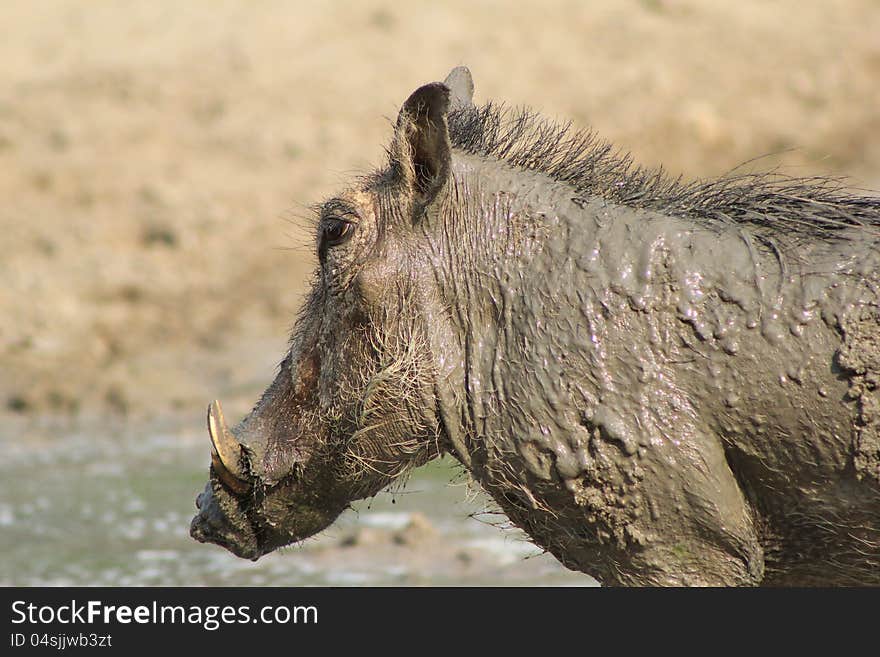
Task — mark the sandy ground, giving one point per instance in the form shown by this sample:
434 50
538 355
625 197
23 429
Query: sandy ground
157 159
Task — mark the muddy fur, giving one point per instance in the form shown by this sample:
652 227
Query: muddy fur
392 435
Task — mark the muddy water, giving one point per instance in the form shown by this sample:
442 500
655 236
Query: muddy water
86 509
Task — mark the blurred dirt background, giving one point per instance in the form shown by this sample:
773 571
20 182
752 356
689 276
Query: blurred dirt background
157 159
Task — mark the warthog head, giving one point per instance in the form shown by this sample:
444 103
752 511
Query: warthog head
354 403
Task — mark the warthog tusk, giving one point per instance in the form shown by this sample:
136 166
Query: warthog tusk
225 450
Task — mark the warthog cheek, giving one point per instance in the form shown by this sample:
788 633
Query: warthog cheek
307 376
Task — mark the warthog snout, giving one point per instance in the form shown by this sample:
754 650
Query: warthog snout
211 525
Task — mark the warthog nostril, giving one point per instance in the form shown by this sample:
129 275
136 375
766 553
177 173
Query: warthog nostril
196 530
202 530
199 499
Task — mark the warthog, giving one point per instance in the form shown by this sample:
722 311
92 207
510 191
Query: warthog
662 383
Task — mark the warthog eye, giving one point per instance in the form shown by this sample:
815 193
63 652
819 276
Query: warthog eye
335 231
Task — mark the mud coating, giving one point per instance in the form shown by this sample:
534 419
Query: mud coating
661 383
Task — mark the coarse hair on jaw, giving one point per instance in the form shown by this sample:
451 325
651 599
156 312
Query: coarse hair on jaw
771 204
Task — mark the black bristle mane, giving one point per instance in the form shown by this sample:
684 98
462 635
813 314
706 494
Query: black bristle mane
770 203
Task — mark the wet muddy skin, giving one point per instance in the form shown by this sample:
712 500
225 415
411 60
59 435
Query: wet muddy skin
673 394
661 384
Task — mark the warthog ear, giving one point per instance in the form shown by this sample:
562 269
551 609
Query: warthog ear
461 86
421 141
